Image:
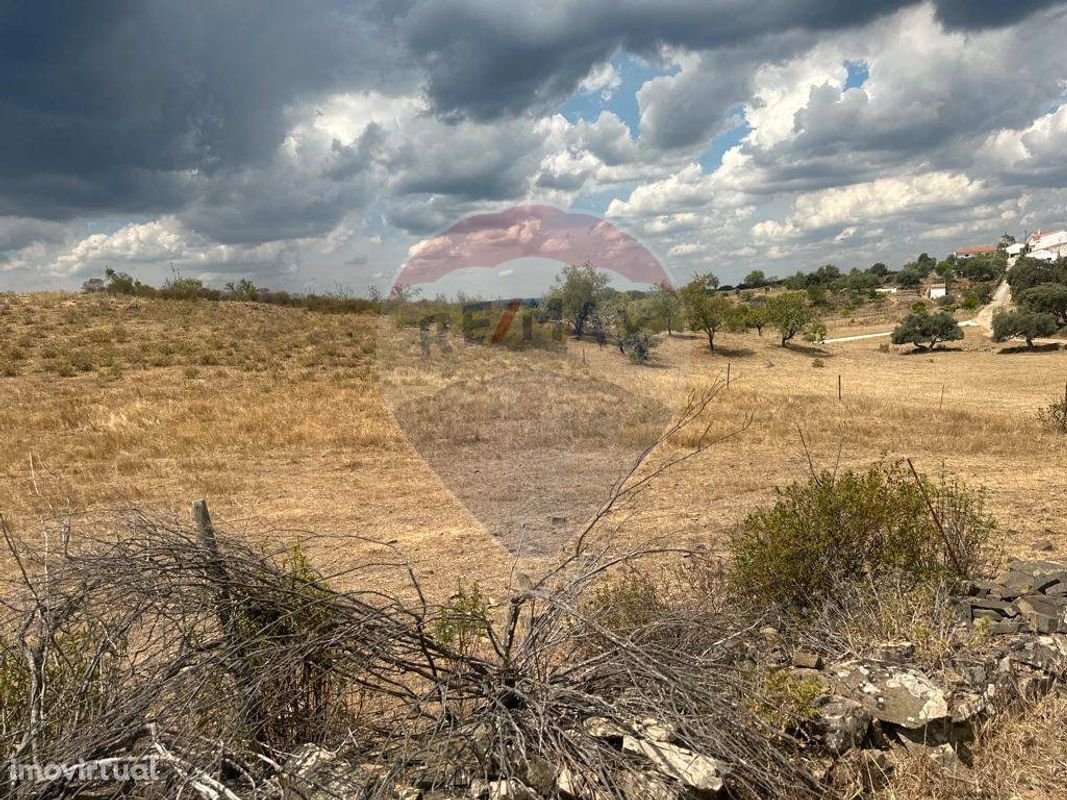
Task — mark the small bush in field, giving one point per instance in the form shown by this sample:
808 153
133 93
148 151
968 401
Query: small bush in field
1054 415
63 368
840 529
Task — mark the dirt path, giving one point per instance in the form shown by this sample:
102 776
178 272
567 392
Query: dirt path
1000 299
967 323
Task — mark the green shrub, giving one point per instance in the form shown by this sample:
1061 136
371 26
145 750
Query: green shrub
464 621
1054 415
627 604
785 699
860 526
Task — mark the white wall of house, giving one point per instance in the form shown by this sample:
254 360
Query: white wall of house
1047 241
935 292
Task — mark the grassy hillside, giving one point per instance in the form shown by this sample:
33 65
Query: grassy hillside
280 416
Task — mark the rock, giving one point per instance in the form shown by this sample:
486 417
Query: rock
1015 583
769 632
603 728
1057 589
1008 627
891 693
1032 576
1002 607
893 652
1042 546
807 659
579 785
1042 613
540 774
318 774
1045 653
842 724
965 706
655 731
649 786
509 789
692 769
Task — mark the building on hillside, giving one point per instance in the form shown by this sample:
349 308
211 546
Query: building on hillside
971 252
935 291
1047 245
1015 249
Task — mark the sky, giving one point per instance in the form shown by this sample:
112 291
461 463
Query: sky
310 146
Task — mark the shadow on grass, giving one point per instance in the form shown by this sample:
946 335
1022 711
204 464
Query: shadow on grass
808 350
929 351
1023 349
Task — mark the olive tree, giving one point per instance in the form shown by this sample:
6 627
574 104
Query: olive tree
580 292
666 305
790 314
707 311
923 329
1023 324
1047 298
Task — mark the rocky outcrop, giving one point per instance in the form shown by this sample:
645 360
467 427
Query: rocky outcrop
891 693
1026 597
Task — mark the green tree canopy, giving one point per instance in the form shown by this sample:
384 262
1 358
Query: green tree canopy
707 311
666 305
1048 298
923 329
1023 324
1029 272
756 278
789 314
579 293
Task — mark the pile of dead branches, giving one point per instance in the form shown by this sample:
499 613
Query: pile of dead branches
180 644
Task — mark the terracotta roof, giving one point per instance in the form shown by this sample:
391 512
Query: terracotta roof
1037 236
971 251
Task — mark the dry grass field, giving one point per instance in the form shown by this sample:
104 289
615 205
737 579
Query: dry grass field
489 459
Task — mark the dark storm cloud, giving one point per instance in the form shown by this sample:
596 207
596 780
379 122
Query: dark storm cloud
484 61
104 102
181 107
970 14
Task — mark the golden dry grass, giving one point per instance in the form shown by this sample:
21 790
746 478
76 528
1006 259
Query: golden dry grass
282 419
1021 755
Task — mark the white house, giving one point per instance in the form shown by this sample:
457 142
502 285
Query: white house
1015 249
1047 245
936 291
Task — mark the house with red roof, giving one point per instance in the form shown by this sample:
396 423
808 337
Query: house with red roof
971 252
